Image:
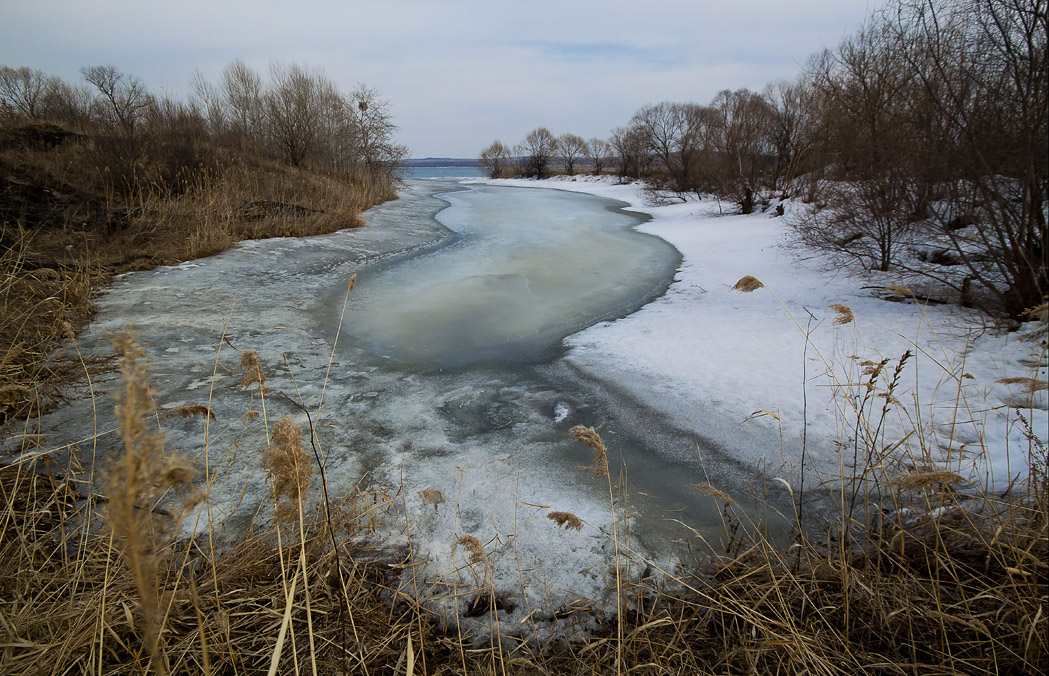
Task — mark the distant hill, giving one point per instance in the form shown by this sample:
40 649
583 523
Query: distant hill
440 162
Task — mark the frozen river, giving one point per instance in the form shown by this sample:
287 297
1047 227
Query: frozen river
447 376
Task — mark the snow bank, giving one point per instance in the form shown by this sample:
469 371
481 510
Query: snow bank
710 357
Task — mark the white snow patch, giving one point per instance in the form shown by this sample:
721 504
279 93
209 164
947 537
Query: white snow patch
710 357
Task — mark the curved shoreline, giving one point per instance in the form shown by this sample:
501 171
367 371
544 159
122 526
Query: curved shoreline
728 366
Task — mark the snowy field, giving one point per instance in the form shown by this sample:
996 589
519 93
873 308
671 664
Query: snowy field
710 357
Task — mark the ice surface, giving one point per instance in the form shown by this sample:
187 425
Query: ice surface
408 406
528 267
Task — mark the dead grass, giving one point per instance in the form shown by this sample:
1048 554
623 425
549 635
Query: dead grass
959 593
64 234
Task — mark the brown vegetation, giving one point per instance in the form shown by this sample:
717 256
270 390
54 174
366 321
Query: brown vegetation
98 182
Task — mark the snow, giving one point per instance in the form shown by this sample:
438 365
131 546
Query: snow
710 357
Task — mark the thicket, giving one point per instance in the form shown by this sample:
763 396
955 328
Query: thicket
921 142
103 177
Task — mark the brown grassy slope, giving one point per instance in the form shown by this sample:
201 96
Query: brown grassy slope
65 231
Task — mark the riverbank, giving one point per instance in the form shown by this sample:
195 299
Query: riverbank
353 588
67 228
782 366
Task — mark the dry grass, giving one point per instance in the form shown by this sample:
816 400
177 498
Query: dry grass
963 592
64 233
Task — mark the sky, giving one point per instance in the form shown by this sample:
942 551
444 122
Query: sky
458 74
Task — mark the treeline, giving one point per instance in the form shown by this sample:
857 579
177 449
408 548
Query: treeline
298 116
101 177
921 143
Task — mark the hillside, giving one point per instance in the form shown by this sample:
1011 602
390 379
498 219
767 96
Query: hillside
66 228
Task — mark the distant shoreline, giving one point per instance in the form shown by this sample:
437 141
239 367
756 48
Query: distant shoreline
439 162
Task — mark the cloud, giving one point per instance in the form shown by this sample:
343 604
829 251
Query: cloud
458 73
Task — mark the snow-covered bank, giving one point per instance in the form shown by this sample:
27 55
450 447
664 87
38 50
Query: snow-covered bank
710 357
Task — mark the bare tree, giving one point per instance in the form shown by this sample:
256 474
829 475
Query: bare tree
599 154
69 104
119 109
540 146
744 142
244 110
983 103
679 136
631 152
519 159
294 109
876 202
208 100
375 129
495 159
24 91
793 104
124 98
862 220
571 148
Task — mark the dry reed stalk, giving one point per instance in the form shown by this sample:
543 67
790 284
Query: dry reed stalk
566 520
599 468
137 481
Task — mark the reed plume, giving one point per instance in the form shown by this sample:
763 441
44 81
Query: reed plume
920 480
899 290
190 411
1030 385
843 313
474 546
566 520
748 283
590 437
713 491
288 469
136 483
253 373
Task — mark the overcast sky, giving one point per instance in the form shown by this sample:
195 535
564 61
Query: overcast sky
457 73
